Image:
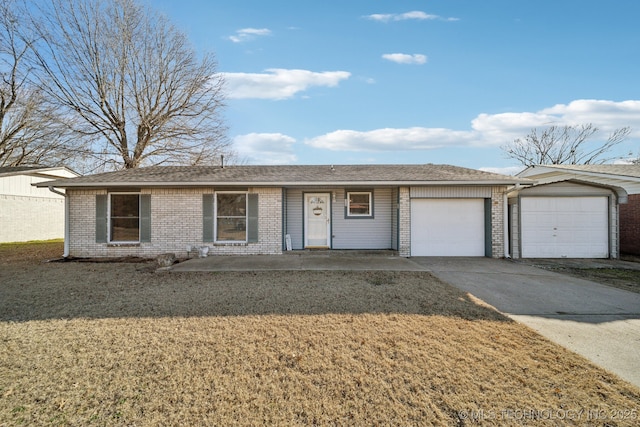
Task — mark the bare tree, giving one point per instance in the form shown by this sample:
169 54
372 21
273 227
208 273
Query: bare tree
30 129
563 145
134 86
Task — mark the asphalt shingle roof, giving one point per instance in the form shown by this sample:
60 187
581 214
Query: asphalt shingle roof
287 175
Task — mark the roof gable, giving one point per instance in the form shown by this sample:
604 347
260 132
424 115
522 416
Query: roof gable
625 176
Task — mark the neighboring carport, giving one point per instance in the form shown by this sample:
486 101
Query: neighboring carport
564 227
567 219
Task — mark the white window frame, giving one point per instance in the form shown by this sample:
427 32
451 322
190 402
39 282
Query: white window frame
348 203
109 237
246 217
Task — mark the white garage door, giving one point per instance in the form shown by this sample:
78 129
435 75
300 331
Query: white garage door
447 227
558 227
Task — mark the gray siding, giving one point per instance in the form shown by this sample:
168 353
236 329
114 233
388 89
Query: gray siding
293 214
352 233
363 233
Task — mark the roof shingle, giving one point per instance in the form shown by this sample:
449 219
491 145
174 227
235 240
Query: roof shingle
288 175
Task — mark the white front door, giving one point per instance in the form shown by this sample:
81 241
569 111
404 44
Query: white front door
317 220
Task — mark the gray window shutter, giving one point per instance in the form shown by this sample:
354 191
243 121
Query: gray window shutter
252 218
207 217
101 218
145 218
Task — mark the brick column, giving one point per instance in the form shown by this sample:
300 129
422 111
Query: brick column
497 222
404 214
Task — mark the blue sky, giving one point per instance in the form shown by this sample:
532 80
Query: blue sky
440 81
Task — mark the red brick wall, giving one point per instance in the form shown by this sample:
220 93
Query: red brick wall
630 226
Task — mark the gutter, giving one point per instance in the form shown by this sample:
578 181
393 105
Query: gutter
66 220
347 183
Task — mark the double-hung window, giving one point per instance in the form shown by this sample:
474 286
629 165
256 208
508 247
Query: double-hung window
359 204
231 217
124 218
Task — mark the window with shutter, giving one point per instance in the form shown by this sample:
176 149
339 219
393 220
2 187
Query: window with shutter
123 218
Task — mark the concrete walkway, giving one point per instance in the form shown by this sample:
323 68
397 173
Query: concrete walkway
599 322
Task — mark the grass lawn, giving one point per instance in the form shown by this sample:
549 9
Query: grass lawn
118 344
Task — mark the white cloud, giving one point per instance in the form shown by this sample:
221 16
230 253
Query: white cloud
405 58
415 15
606 115
383 17
266 148
390 139
486 129
278 83
246 34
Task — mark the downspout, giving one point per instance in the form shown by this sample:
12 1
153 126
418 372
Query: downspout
66 220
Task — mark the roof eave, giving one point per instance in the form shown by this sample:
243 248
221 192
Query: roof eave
40 172
143 184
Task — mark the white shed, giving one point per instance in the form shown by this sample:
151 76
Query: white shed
27 212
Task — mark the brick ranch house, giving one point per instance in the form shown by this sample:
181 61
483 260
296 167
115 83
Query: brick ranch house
416 210
626 177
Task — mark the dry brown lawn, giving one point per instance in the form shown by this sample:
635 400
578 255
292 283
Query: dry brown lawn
118 344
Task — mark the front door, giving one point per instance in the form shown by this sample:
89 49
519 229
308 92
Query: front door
317 220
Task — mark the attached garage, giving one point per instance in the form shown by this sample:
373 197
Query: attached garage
567 219
449 227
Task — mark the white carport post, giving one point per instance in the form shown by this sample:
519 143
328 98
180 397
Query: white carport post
505 222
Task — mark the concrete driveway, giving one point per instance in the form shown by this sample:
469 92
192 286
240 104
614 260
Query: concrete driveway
598 322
